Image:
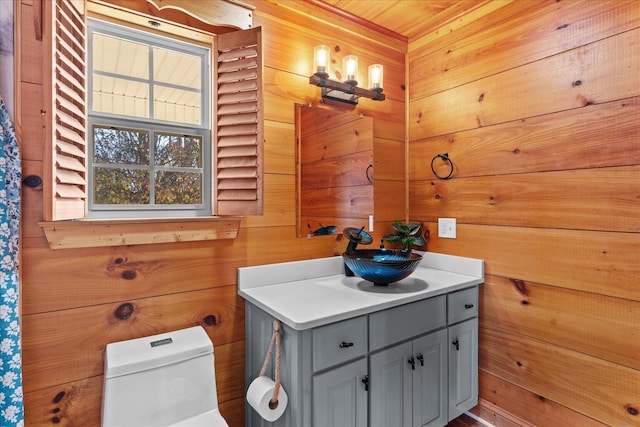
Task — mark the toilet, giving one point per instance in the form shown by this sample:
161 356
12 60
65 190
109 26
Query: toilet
161 380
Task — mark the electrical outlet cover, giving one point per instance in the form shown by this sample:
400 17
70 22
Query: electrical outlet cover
447 228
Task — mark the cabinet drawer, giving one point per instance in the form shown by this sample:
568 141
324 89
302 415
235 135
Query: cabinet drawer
406 321
339 342
462 305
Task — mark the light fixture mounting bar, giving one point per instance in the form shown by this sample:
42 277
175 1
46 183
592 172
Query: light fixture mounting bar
344 91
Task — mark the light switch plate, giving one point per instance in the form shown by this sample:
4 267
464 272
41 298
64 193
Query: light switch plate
447 228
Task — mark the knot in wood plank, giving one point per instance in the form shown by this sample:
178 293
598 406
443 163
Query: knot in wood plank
124 311
210 320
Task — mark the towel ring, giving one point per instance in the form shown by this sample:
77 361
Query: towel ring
366 172
444 157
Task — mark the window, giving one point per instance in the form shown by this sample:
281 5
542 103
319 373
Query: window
149 142
211 137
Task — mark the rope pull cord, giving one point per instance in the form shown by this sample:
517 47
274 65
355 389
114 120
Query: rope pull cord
275 341
446 159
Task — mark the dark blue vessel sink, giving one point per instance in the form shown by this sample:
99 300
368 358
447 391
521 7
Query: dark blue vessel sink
381 266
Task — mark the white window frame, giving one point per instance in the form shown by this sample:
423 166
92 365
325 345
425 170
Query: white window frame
150 124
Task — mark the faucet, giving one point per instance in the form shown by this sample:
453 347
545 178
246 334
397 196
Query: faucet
355 237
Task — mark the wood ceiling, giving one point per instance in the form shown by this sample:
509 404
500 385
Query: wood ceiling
410 19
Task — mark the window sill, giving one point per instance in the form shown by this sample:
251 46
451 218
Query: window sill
102 233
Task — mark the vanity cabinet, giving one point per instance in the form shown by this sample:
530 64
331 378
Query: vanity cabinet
410 365
462 309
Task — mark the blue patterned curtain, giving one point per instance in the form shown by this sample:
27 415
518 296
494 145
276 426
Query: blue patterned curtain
11 406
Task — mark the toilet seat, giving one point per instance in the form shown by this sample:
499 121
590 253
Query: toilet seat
208 419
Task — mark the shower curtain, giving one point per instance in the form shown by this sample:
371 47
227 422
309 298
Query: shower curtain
11 404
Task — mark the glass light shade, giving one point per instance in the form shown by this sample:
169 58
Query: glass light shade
321 59
350 68
375 76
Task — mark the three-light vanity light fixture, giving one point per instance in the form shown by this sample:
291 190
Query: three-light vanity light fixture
347 90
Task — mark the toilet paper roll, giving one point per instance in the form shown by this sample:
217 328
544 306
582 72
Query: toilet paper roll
260 393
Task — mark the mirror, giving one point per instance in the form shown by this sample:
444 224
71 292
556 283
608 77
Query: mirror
334 169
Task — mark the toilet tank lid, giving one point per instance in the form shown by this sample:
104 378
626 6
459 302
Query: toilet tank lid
140 354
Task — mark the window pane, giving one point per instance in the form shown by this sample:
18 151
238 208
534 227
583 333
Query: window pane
119 96
176 105
177 94
178 188
118 56
178 151
120 146
176 68
121 186
117 64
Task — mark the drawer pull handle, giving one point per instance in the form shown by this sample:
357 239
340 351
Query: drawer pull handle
468 306
420 358
412 362
365 381
345 344
457 344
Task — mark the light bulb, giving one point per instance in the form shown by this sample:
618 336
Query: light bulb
375 76
350 67
321 59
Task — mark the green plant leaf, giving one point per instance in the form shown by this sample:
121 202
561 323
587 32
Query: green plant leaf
406 235
392 238
413 229
419 241
400 228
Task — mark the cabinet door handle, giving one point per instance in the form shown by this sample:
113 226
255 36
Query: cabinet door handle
457 344
412 362
345 344
468 306
365 381
420 358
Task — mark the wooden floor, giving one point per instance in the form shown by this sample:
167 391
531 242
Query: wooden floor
464 421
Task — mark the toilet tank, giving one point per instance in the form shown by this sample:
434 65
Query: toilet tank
159 380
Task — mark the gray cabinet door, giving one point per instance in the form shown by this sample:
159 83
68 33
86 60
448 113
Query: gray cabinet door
430 380
463 367
340 396
391 387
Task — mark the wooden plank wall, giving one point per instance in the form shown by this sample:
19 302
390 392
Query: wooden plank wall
75 301
538 106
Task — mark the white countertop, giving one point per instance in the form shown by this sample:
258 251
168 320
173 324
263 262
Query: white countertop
307 294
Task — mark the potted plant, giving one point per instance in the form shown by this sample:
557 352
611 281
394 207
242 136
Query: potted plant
406 235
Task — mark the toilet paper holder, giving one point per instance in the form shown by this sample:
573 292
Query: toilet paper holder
275 341
266 396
